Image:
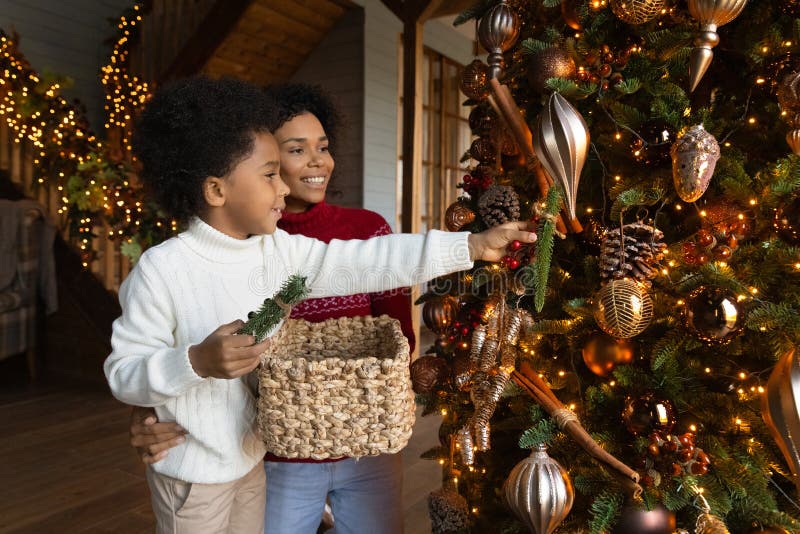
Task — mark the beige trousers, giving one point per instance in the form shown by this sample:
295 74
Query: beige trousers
232 508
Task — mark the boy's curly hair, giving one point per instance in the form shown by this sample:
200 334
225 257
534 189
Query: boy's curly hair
293 99
195 128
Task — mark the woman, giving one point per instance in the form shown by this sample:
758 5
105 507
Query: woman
365 494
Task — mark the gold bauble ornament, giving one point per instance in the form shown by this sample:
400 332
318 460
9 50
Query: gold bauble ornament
780 408
623 308
474 78
602 353
714 314
552 62
539 492
439 312
711 14
637 11
457 216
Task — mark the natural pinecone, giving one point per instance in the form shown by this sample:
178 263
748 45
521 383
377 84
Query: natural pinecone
498 205
634 255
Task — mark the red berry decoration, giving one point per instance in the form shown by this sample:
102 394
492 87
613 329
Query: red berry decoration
514 245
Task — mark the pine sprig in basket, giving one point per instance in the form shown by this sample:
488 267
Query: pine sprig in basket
273 310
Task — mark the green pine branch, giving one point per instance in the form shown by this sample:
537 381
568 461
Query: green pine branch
544 246
604 511
260 323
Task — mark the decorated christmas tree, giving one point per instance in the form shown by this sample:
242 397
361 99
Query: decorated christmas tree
635 371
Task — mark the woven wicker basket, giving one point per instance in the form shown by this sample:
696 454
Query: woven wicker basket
336 388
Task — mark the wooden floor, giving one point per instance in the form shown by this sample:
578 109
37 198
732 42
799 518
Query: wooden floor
66 465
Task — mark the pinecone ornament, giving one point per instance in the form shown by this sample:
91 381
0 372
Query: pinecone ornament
633 252
498 205
448 511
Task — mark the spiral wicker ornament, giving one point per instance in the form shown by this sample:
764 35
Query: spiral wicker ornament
780 408
711 14
457 216
561 142
539 492
623 308
497 32
637 11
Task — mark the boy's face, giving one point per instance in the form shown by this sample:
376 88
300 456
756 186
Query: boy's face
254 192
306 163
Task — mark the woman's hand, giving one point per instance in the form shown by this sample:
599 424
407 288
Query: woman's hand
151 438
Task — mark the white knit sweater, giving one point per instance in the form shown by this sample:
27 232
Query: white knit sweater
182 290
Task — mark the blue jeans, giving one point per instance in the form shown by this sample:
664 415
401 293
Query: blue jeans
366 496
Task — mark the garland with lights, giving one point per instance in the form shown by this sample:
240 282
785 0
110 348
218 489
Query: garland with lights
95 179
668 327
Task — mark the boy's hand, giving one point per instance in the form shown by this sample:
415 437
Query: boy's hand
226 355
151 438
490 245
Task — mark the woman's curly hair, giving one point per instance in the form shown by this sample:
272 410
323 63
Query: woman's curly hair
293 99
195 128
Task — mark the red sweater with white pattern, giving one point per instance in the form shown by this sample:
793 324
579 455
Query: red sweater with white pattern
326 222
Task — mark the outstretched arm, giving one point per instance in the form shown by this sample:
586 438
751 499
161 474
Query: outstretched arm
388 262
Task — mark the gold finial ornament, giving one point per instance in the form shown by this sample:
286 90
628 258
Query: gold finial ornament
711 14
497 32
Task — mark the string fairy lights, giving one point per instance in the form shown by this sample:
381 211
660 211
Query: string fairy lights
94 180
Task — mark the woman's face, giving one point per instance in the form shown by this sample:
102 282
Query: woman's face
306 164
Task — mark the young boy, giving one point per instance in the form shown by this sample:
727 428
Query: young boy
209 158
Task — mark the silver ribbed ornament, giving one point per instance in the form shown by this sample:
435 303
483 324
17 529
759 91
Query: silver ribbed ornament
561 142
539 492
497 32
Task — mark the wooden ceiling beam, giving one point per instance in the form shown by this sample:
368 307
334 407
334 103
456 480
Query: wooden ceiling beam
220 21
396 7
